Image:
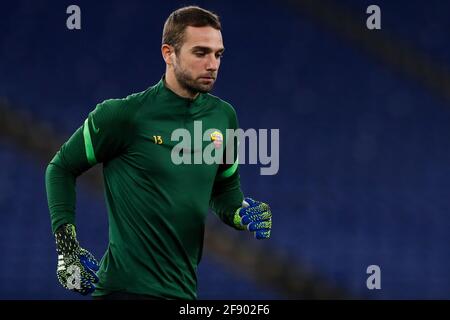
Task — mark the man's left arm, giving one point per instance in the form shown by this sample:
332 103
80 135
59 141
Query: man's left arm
228 202
227 199
227 196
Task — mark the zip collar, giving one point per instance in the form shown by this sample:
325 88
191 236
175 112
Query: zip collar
165 91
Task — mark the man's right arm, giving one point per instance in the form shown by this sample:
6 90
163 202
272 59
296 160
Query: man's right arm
104 135
60 180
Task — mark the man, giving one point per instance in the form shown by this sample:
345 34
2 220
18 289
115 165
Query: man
156 208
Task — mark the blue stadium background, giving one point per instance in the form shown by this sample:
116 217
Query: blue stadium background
364 150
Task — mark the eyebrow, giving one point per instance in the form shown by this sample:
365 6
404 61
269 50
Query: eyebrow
206 49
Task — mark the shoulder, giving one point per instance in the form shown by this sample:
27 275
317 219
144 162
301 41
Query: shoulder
123 108
223 106
131 101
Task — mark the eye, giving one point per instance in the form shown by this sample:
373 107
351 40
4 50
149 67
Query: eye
219 55
199 53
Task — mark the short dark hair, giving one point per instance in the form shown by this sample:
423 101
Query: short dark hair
176 23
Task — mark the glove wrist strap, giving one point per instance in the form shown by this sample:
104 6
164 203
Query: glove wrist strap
237 220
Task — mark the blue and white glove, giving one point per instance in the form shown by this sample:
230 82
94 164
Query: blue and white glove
76 266
254 216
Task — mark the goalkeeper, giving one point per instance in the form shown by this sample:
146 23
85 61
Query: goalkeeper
156 209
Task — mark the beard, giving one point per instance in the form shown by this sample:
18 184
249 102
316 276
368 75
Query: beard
191 84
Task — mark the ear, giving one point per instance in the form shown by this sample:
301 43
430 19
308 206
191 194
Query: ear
167 52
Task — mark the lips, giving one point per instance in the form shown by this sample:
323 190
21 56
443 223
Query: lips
208 78
207 81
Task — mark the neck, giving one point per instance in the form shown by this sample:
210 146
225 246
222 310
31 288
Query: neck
173 84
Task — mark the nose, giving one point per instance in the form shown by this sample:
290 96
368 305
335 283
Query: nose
213 63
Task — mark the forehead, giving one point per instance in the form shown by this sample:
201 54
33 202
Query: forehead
204 37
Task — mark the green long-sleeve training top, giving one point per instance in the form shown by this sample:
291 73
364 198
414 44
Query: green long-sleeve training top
156 208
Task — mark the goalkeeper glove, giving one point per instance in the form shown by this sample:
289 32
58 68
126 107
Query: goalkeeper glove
76 266
254 216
